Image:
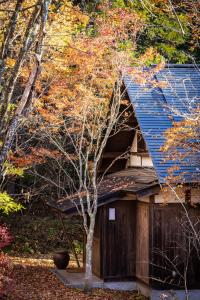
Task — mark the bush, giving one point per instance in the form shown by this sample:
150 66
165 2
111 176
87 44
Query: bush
6 266
5 237
7 204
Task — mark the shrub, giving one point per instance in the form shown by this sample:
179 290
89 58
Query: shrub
7 204
6 266
5 237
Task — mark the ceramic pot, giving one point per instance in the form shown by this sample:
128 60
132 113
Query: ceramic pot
61 259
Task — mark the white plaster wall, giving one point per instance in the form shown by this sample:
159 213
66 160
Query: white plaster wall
147 162
134 144
167 195
135 161
195 195
139 161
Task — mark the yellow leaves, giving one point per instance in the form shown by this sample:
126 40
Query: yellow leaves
11 170
84 19
10 62
147 77
64 23
149 54
28 3
60 27
181 133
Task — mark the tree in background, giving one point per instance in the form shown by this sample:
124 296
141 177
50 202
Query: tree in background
17 47
171 26
23 26
169 29
32 32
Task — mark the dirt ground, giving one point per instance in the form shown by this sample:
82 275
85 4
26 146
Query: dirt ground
34 281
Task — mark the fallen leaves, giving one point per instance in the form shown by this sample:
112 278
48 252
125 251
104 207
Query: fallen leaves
34 281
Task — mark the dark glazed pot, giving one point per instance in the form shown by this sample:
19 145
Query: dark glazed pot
61 259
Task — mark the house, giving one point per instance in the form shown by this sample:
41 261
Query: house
143 232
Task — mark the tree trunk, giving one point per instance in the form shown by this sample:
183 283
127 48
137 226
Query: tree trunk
8 130
88 260
12 127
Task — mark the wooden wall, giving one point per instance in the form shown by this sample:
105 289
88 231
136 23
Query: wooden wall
170 247
118 241
148 242
142 241
121 247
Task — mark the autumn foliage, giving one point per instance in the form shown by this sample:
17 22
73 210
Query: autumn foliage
88 66
6 266
182 142
5 237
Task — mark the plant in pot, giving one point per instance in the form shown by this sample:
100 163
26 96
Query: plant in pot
61 258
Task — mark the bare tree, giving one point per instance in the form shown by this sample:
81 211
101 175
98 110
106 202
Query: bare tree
87 134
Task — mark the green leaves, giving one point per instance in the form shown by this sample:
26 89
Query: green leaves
168 29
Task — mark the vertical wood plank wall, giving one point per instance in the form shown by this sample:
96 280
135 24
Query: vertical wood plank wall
142 242
118 241
171 249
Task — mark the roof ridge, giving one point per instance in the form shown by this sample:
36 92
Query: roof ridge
171 65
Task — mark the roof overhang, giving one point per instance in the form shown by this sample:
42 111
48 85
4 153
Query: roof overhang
136 182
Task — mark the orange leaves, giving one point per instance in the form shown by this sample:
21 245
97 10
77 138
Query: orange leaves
82 73
182 143
36 156
49 116
184 134
10 62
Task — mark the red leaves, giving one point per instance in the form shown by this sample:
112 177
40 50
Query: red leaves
6 265
5 237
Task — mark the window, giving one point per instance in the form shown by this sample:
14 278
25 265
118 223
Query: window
111 216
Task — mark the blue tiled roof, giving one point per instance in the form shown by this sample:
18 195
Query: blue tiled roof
156 108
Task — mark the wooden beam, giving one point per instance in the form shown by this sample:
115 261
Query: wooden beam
112 154
129 196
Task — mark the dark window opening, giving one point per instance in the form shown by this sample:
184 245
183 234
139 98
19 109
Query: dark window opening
141 145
